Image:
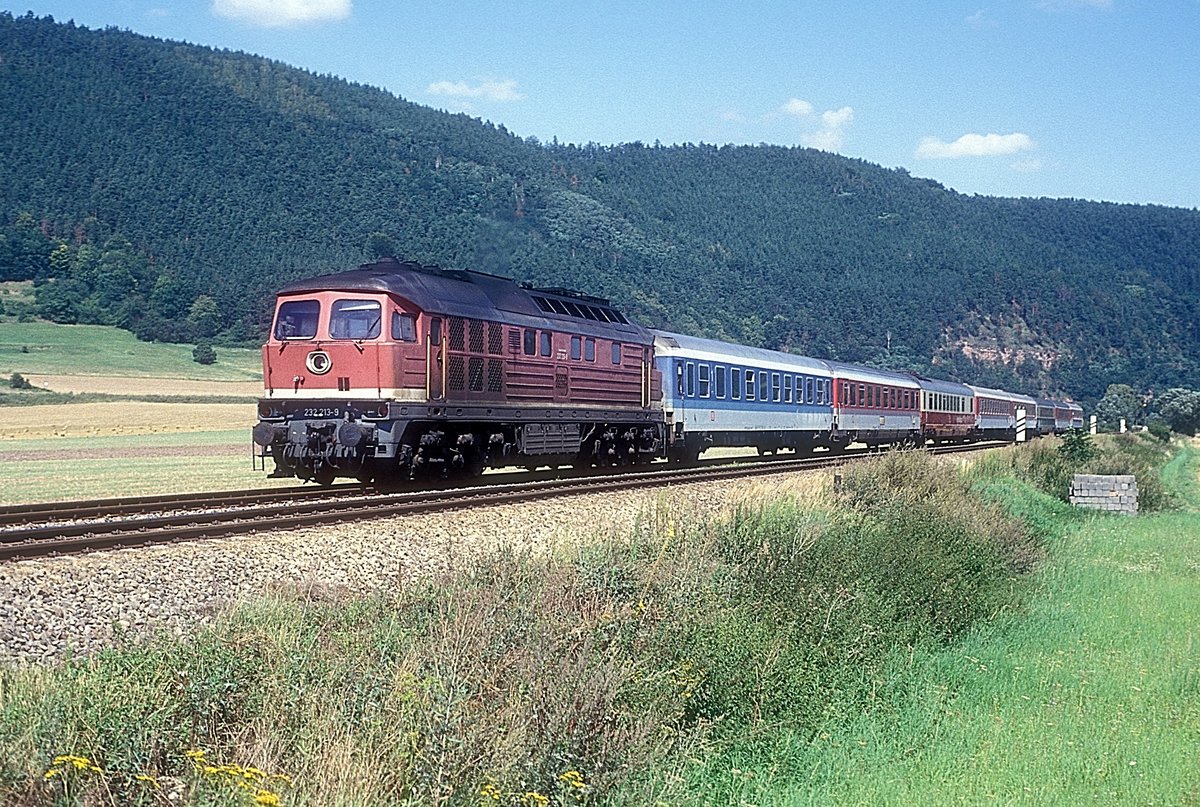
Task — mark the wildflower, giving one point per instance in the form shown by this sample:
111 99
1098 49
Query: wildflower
535 799
266 798
195 755
146 779
572 779
490 791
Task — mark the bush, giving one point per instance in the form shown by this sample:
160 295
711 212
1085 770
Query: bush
18 381
203 353
1159 429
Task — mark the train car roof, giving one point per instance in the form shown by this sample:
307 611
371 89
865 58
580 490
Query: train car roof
938 385
991 392
695 347
874 375
476 295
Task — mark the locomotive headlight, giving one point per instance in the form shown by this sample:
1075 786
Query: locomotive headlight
318 362
266 433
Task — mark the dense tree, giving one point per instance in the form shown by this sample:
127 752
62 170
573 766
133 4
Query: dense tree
1120 402
1180 408
130 195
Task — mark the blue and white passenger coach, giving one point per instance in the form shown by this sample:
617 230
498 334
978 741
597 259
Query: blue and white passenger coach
719 394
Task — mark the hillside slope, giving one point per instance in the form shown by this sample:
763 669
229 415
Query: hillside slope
169 189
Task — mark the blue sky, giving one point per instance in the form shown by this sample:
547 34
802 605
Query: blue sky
1091 99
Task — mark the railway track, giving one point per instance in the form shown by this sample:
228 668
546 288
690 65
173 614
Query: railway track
71 527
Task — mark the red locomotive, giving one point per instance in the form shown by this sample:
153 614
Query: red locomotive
399 369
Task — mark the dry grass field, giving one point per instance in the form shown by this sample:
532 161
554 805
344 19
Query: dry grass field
128 385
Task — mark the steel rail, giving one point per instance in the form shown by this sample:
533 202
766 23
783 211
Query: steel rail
64 538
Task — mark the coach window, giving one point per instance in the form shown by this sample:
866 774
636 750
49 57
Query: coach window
589 349
719 381
576 347
404 327
691 379
809 395
787 388
820 385
354 319
775 387
546 343
704 380
749 385
616 353
679 379
735 386
530 342
764 389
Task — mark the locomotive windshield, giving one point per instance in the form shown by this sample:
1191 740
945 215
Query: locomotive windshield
355 319
297 319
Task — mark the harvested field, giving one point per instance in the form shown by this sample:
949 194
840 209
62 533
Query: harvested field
122 418
127 385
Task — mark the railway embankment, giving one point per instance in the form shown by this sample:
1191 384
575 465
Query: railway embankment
713 643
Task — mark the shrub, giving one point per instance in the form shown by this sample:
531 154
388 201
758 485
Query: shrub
18 381
203 353
1159 429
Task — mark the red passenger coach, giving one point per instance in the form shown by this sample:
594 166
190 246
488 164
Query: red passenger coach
398 369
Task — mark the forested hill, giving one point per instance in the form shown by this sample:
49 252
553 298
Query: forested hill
169 189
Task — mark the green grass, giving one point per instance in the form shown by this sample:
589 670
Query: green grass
218 460
1089 695
42 348
883 645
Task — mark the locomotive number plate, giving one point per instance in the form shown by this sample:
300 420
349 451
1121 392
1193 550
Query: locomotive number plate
321 412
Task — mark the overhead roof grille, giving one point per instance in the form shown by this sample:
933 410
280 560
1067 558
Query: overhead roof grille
594 309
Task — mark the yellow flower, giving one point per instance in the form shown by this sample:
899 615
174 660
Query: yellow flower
572 778
50 774
266 798
195 755
490 791
145 779
536 799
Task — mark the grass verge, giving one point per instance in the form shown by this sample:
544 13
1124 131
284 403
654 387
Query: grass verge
885 644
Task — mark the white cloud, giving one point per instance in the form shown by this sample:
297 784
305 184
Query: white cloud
505 90
974 145
796 108
831 135
281 13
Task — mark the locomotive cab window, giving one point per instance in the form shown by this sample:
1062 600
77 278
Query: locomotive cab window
297 319
404 327
354 319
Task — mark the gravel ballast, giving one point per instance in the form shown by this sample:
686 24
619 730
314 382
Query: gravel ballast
50 608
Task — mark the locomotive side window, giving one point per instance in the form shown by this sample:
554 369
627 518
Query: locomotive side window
589 349
576 347
530 344
546 343
297 319
404 327
616 353
354 319
435 331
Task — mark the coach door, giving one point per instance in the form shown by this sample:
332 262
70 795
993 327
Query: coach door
435 361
